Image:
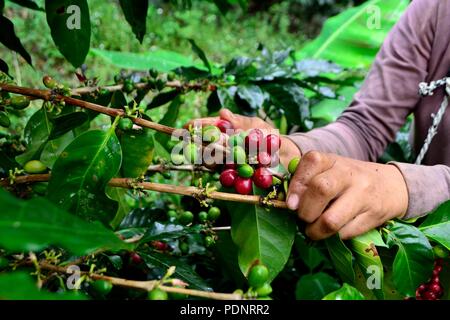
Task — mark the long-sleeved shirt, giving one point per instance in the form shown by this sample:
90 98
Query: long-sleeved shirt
416 50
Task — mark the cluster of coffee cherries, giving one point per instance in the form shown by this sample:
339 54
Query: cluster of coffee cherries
252 155
433 289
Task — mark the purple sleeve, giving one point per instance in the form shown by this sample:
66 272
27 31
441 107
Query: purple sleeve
389 94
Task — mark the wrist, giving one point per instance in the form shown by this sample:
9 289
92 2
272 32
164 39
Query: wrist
399 190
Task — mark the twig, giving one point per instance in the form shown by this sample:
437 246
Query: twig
226 228
195 192
48 95
147 285
141 85
169 167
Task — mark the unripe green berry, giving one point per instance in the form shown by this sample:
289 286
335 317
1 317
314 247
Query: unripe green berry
293 164
157 294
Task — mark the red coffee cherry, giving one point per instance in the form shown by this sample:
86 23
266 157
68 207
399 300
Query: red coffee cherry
243 185
253 139
262 178
273 143
264 159
228 177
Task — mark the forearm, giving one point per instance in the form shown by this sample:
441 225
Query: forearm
428 187
337 138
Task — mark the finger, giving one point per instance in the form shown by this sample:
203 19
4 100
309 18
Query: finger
340 212
201 122
237 121
360 225
319 193
311 164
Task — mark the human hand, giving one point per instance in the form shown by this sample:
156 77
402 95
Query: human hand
333 194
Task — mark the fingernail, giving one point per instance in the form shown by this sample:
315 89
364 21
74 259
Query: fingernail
292 201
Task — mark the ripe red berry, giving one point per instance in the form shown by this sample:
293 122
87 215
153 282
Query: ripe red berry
262 178
159 245
228 177
429 295
418 295
224 125
438 268
135 258
436 288
422 288
243 185
264 159
435 279
253 139
273 143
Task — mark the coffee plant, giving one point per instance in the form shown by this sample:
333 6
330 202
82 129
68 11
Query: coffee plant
101 201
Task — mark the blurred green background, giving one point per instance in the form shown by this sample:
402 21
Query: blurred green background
275 24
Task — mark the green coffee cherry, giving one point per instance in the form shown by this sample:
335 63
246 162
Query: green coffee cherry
293 164
125 124
264 290
186 217
213 213
211 134
177 159
128 86
239 155
19 102
239 291
160 84
157 294
167 175
4 120
230 78
258 276
172 214
203 216
184 247
170 76
102 287
49 82
245 171
35 166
